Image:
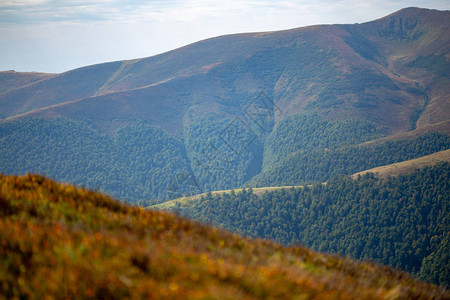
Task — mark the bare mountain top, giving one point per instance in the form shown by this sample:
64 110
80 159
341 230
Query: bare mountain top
393 71
10 80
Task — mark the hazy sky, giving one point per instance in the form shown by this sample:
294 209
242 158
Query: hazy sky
59 35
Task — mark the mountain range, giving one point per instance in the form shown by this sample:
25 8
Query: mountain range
215 114
285 117
393 71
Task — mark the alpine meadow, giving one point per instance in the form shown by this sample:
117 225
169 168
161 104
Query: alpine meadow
331 137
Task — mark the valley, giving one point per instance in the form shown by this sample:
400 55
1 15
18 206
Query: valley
333 137
235 108
392 170
398 221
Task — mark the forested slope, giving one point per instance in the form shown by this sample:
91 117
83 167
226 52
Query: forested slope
305 166
408 166
400 221
136 164
144 162
257 109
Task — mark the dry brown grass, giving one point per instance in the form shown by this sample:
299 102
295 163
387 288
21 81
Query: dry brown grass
61 242
408 166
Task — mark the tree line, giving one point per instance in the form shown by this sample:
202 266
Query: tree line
401 221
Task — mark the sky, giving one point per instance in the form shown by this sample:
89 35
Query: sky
55 36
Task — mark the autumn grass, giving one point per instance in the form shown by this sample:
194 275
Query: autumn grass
62 242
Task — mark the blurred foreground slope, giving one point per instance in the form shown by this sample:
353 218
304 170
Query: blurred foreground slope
58 241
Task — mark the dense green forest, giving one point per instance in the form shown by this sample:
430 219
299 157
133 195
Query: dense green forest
227 153
223 154
305 166
144 164
135 164
401 221
309 132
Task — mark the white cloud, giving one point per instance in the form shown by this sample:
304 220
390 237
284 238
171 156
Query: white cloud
21 2
44 11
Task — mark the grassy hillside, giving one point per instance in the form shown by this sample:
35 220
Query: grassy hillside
409 166
10 80
188 200
399 221
385 71
62 242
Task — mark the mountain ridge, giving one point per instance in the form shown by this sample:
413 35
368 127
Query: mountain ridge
225 103
123 76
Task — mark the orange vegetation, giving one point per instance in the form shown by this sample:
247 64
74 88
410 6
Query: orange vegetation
59 241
